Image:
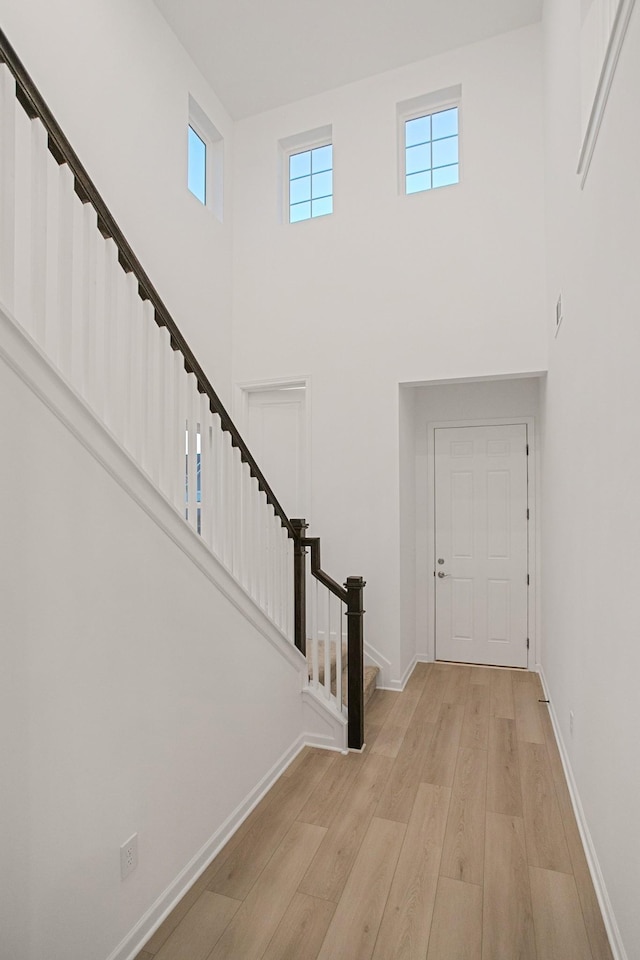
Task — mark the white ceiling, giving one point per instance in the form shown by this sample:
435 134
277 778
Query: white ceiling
259 54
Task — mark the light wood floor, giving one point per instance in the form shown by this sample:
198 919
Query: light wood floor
451 838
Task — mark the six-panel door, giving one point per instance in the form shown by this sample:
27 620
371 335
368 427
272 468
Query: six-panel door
481 544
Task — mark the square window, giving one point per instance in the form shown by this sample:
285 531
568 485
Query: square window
311 183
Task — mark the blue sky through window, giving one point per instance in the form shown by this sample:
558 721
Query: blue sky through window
197 166
311 183
431 151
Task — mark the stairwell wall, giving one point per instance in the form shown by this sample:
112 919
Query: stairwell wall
591 508
390 288
134 698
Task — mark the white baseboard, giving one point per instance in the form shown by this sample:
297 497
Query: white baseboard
373 656
608 916
399 685
135 940
324 726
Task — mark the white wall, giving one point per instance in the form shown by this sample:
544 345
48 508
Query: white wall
118 82
486 400
133 697
591 525
391 288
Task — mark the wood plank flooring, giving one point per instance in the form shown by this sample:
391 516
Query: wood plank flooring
452 837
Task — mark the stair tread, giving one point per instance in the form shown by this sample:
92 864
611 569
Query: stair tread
370 671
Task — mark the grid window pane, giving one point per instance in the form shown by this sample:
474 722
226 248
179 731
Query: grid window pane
417 182
311 183
418 158
431 151
299 211
445 123
445 176
322 159
300 165
300 190
197 166
417 131
445 152
320 208
322 184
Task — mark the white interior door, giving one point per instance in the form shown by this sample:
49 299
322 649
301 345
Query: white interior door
276 435
481 542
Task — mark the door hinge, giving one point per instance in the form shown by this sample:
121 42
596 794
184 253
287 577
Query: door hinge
527 643
527 447
527 513
527 579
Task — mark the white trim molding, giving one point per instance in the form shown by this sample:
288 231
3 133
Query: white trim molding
611 57
608 916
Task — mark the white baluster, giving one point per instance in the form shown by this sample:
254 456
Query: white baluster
218 481
284 579
339 661
153 343
207 491
238 467
66 197
261 548
228 514
7 186
23 220
327 643
162 351
277 572
245 517
168 421
256 541
290 593
89 357
52 260
99 341
315 593
131 330
179 417
78 266
193 412
39 226
113 278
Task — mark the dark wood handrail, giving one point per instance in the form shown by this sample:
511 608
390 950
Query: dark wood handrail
35 106
314 545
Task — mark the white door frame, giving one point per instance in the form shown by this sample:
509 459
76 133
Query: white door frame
241 416
532 503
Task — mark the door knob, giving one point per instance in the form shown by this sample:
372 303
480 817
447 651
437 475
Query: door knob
441 574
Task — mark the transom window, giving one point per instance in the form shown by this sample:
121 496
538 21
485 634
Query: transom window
311 183
431 151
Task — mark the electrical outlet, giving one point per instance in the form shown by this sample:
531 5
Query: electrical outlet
129 856
571 718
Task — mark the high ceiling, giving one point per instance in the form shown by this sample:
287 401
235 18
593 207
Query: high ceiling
259 54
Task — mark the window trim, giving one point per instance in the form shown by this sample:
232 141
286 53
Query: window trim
424 106
214 160
300 143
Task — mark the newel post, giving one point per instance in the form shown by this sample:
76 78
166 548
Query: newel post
300 585
355 661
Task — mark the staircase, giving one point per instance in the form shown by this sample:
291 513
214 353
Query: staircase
75 291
